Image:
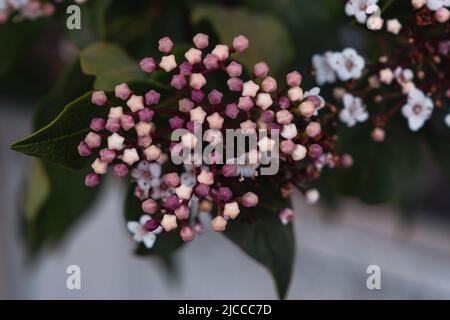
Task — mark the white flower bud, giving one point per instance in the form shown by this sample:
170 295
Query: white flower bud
197 81
197 114
168 63
115 142
115 112
152 153
249 89
289 131
295 94
193 56
169 222
299 152
264 100
221 52
183 192
130 156
231 210
135 103
99 166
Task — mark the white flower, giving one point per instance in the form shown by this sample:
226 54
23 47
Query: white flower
437 4
323 70
147 176
361 8
354 111
348 64
417 109
141 234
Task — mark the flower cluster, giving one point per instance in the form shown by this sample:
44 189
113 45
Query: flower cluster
28 9
411 79
368 12
134 139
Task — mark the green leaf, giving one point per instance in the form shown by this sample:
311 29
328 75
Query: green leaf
260 234
110 64
228 23
382 171
55 198
58 141
166 242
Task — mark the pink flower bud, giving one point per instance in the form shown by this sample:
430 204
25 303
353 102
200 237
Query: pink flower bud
245 103
202 190
187 234
199 228
215 121
284 103
240 43
315 150
378 134
165 45
197 95
97 124
144 141
221 51
146 115
250 200
120 170
84 150
229 170
151 225
313 129
442 15
284 117
267 116
112 125
182 212
197 81
185 105
234 69
307 109
99 98
231 110
172 179
149 206
235 84
172 202
127 122
152 97
178 81
215 97
294 79
231 210
176 122
225 193
92 180
346 160
122 91
286 215
261 69
107 155
186 68
206 177
201 40
211 61
287 146
269 84
93 140
148 65
219 224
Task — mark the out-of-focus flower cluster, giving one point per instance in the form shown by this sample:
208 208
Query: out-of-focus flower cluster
413 78
369 12
134 140
28 9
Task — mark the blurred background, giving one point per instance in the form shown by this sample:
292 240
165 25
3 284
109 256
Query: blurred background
391 210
